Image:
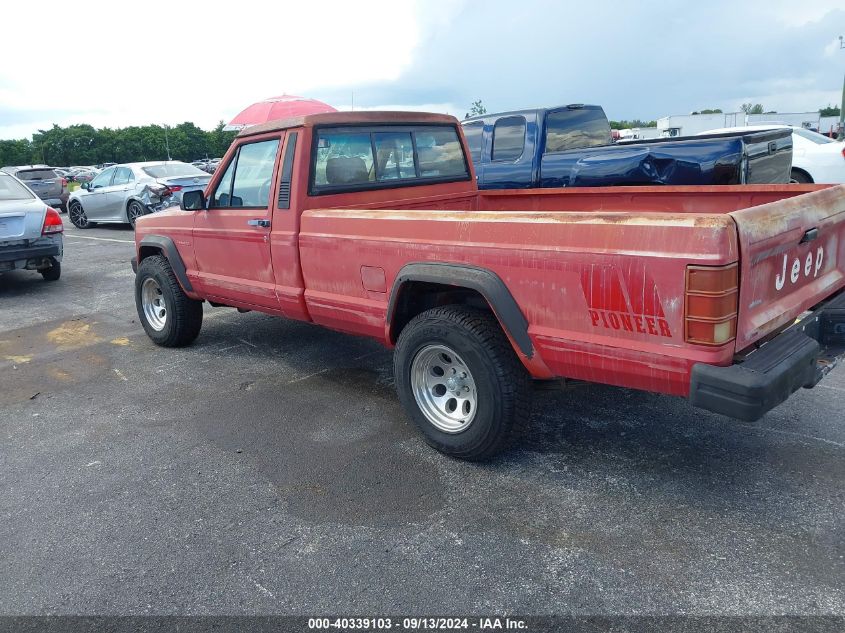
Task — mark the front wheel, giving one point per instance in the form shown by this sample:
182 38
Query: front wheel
461 382
169 316
77 215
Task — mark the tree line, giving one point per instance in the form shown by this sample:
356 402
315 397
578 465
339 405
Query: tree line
84 145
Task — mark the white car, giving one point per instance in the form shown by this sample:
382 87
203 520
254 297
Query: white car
815 157
123 193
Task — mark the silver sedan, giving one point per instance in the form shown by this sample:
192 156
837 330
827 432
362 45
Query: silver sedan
123 193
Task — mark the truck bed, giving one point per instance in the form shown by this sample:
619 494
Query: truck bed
597 273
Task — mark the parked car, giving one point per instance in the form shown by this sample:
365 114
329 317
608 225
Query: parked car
83 174
571 146
371 223
30 231
815 157
45 182
122 193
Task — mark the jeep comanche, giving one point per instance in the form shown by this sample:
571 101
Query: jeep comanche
371 223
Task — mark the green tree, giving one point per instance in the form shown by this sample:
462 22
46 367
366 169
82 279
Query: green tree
829 111
756 108
476 109
219 140
709 111
82 144
15 152
625 124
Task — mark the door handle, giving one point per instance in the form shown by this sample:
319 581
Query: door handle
259 222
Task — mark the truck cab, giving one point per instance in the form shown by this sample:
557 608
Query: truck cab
572 146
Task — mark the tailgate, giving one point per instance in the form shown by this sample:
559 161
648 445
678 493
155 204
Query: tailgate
768 155
792 255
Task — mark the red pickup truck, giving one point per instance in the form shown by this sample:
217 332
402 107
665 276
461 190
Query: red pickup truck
371 223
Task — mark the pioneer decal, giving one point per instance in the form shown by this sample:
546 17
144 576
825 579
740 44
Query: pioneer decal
811 266
612 306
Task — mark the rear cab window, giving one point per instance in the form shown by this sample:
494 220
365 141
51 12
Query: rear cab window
384 156
576 128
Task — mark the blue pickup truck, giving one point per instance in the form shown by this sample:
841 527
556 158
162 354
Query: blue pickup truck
571 146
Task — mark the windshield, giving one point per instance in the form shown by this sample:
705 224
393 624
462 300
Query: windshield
11 189
818 139
172 170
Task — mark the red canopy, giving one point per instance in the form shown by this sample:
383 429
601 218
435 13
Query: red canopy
273 108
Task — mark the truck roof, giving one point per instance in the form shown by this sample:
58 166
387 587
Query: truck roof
569 106
349 118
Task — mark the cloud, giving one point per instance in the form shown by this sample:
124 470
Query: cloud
172 61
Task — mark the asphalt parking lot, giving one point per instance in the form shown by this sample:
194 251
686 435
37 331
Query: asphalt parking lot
268 468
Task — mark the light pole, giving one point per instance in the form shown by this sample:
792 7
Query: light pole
166 142
841 134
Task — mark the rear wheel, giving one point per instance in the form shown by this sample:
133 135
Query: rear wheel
53 272
77 215
169 316
801 177
461 382
134 210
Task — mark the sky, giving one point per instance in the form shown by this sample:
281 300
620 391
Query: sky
169 62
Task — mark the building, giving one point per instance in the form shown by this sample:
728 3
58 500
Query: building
691 124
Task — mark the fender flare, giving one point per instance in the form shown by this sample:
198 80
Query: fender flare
168 248
487 283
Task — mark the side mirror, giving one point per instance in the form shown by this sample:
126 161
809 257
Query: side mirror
86 186
193 200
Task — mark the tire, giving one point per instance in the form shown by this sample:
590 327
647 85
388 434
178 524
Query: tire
170 318
801 177
489 375
77 215
135 210
53 272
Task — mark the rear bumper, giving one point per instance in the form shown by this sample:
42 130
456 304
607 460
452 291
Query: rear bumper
798 357
29 252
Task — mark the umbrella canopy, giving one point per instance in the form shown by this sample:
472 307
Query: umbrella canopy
273 108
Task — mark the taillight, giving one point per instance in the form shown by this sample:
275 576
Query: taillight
64 182
52 222
712 297
175 187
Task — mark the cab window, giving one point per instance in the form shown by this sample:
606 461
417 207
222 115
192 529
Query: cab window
122 176
474 133
247 180
103 179
508 138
